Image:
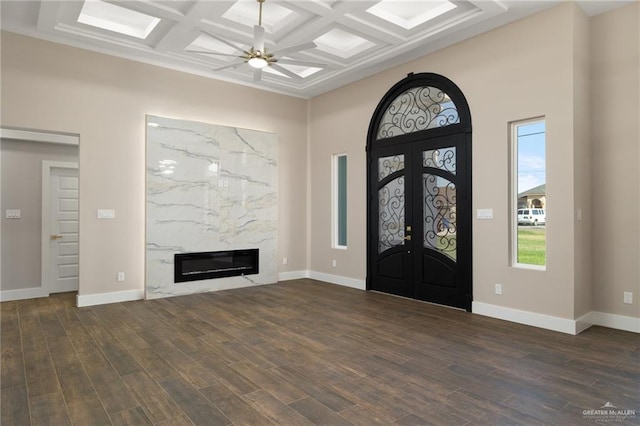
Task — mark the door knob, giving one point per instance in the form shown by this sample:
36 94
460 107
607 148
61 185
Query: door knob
56 236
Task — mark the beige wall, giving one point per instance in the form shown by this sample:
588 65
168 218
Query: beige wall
21 170
583 290
512 73
104 99
615 180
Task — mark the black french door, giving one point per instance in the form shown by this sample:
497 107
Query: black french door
419 210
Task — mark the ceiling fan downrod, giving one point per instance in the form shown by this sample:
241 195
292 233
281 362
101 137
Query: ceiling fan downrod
260 16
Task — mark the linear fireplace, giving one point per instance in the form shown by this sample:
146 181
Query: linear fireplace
215 264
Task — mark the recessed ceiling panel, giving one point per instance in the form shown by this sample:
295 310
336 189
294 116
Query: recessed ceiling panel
410 14
342 43
118 19
303 72
247 12
204 42
180 6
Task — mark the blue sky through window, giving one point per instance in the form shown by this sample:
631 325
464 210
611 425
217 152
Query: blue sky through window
531 156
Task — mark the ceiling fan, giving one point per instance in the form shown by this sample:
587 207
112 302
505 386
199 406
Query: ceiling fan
257 56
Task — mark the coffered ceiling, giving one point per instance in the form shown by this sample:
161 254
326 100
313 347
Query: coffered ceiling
353 38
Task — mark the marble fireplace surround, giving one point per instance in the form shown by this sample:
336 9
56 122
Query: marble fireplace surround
208 188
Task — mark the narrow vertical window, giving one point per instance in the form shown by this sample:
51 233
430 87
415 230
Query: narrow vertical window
529 199
339 196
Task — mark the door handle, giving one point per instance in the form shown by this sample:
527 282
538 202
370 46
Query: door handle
408 238
56 236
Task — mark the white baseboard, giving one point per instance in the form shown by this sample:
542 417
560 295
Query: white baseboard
584 322
23 293
321 276
563 325
337 279
104 298
292 275
548 322
619 322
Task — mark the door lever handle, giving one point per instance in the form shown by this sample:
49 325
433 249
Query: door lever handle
408 238
56 236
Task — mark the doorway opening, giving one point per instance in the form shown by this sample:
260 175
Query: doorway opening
39 205
419 192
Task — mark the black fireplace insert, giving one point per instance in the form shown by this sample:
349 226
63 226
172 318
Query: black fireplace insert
215 264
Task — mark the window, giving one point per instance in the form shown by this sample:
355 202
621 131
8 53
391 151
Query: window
339 200
418 109
529 200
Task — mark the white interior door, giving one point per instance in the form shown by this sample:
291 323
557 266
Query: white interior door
63 226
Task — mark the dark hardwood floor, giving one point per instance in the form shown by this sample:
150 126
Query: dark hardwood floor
298 353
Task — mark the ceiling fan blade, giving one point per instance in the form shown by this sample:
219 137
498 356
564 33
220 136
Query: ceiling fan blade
231 65
257 74
258 38
220 39
302 63
204 52
293 49
286 72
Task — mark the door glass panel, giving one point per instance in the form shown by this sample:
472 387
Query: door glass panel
439 215
391 214
441 158
417 109
389 165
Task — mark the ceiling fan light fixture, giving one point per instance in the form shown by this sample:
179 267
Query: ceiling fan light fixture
258 62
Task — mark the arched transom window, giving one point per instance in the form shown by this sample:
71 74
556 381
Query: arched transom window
417 109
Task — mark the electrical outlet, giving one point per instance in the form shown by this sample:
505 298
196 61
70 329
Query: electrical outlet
498 288
284 260
106 214
333 263
628 297
120 276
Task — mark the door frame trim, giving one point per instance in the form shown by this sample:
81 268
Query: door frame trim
47 166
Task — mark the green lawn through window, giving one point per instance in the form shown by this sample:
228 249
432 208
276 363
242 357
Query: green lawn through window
532 245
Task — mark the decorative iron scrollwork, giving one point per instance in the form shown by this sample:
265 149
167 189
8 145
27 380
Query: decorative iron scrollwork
440 218
389 165
419 108
391 214
442 158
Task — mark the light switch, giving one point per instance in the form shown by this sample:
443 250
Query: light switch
484 214
13 214
106 214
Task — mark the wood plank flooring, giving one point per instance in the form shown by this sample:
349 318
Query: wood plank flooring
301 353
